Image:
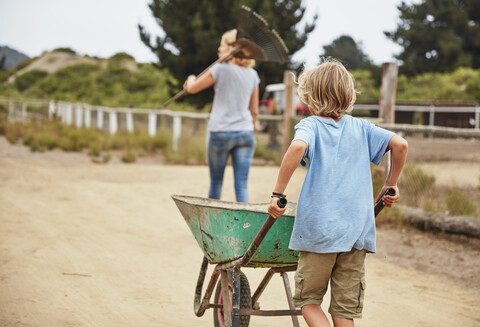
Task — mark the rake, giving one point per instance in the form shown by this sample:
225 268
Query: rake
255 40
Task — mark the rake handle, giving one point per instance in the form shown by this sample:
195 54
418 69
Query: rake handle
226 57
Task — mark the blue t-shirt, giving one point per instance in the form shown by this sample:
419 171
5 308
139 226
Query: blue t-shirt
233 87
335 208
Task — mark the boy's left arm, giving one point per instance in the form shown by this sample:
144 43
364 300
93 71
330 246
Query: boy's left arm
290 162
399 147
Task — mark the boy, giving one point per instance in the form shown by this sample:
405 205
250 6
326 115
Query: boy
334 224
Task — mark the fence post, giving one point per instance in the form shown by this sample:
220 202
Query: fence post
88 116
61 111
112 118
24 110
51 110
388 91
78 115
477 117
129 121
99 118
68 116
177 130
288 79
431 118
10 109
152 124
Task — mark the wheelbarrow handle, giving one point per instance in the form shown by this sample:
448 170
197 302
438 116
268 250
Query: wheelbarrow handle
379 205
282 202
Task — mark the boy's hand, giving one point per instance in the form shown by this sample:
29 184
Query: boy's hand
388 200
274 210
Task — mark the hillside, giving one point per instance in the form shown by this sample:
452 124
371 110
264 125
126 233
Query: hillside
64 75
50 62
12 57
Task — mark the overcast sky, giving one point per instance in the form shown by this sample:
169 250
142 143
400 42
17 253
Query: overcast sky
105 27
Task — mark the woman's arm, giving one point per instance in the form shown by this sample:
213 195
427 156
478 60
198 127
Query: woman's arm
196 84
254 104
290 162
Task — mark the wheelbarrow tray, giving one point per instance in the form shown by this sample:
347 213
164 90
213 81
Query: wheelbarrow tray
224 230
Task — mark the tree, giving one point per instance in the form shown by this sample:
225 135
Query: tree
438 36
347 51
193 29
2 63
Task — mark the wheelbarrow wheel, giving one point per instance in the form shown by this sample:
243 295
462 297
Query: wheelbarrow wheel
245 301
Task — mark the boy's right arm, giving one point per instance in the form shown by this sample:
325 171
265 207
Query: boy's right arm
399 147
290 162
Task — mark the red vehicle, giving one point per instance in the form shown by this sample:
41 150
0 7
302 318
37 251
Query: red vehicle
273 101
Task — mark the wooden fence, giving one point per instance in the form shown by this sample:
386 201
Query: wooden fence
112 120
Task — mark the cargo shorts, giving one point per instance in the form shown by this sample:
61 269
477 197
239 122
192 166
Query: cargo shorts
346 273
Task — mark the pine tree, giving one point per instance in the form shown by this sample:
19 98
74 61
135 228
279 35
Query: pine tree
347 51
193 29
438 36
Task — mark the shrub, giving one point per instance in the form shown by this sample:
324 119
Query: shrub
129 157
28 79
94 150
459 203
66 50
416 183
190 151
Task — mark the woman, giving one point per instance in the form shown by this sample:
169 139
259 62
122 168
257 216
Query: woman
233 116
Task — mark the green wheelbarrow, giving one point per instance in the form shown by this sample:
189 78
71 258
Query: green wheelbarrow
234 235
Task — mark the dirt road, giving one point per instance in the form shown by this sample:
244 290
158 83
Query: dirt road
83 244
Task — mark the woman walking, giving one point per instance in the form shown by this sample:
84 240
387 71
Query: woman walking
233 117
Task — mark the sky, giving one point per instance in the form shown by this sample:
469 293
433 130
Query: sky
103 28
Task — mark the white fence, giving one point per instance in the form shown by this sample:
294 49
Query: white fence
432 110
112 120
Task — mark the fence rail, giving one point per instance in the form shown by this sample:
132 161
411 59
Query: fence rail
129 119
431 110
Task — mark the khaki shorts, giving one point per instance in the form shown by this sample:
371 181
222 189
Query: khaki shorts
346 273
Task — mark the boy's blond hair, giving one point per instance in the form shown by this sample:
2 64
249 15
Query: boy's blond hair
328 89
230 37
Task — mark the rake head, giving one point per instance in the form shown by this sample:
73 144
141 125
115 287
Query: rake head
255 40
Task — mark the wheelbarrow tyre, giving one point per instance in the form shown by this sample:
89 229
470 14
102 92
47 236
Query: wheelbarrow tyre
245 301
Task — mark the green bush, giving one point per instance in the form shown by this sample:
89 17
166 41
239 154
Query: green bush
365 85
190 151
122 56
28 79
129 157
415 183
66 50
459 203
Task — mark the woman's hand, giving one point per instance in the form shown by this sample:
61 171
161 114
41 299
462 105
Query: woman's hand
188 82
194 84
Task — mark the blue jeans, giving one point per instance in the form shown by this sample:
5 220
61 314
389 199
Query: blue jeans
241 146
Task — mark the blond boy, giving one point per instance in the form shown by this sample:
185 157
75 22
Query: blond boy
334 224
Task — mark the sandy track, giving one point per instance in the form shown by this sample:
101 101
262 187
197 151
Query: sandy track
104 245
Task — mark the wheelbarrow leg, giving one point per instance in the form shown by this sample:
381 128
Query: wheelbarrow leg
236 297
227 314
288 290
199 305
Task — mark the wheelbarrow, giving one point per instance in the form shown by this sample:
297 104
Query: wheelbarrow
234 235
